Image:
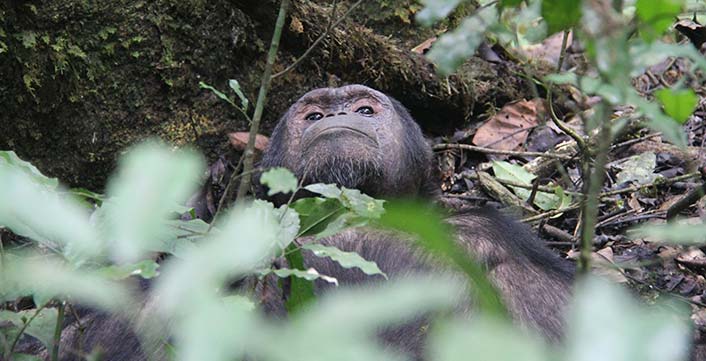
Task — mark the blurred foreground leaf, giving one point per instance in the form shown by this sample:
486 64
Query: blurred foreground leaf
429 230
150 180
607 324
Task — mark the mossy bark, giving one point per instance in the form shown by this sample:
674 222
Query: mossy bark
82 80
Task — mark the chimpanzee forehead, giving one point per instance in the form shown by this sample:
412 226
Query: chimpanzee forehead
334 96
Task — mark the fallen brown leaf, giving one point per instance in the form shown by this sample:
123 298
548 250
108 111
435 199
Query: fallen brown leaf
508 129
238 140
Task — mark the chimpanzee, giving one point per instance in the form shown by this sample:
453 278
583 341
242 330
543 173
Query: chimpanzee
357 137
360 138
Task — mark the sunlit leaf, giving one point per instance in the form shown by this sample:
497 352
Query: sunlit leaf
657 16
308 275
10 160
678 104
235 86
279 180
345 259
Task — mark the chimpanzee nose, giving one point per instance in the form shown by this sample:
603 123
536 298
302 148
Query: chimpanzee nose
332 114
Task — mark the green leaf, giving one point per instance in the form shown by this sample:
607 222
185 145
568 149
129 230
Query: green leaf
183 235
33 210
326 190
308 275
217 92
146 269
233 84
301 291
561 14
361 204
678 104
150 180
87 194
42 326
430 232
288 224
10 160
345 259
28 39
509 3
515 173
279 180
316 213
638 168
606 323
435 10
658 121
454 47
657 16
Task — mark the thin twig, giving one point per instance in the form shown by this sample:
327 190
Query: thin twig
551 213
580 142
659 182
445 146
562 53
22 329
57 331
321 37
634 141
259 106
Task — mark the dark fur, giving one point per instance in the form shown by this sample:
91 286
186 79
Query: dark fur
533 282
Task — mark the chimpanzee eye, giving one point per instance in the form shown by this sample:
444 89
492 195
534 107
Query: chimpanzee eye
366 110
314 116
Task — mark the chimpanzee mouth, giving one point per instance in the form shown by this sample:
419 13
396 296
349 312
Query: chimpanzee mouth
340 130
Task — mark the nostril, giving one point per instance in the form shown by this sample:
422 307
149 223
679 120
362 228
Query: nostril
342 113
330 115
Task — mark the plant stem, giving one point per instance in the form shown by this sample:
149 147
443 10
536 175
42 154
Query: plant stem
57 332
594 182
262 95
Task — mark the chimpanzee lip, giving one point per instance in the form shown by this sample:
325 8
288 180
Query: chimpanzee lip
345 129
